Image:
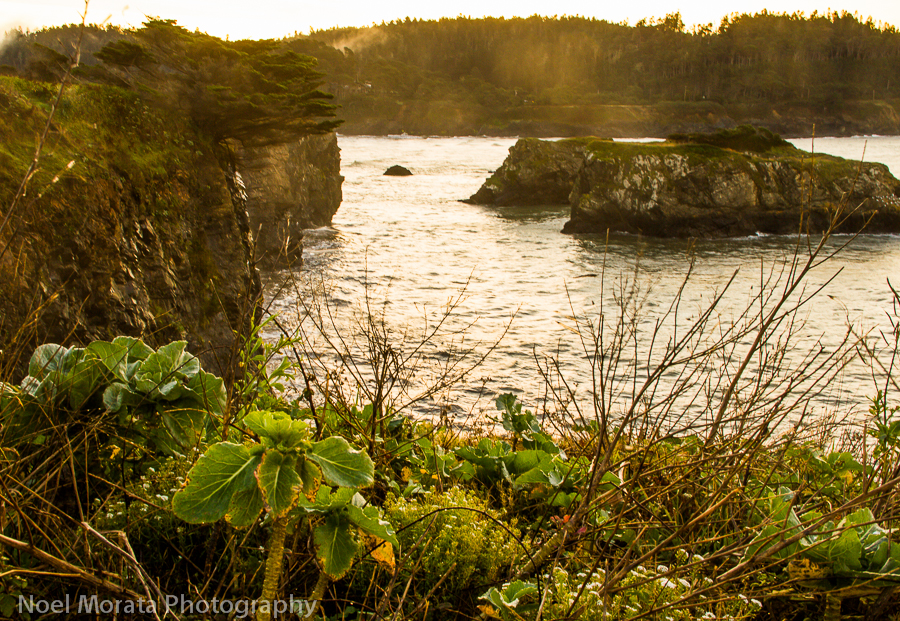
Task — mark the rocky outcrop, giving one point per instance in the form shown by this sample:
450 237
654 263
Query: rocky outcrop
138 236
536 172
685 189
289 187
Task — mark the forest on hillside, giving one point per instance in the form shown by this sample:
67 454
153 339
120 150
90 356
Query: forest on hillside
460 73
772 57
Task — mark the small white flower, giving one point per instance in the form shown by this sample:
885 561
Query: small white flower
756 602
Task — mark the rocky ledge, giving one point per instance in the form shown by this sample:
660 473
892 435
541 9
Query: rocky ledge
733 183
290 186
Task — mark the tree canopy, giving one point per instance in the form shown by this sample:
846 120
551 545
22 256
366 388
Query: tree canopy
253 91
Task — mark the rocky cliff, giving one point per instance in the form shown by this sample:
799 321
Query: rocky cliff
289 187
135 224
729 186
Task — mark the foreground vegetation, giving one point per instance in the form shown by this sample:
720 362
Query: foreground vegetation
696 484
118 463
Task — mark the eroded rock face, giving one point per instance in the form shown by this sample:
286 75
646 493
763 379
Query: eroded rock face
677 189
536 172
163 259
686 190
289 187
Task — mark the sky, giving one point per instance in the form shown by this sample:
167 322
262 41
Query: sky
266 19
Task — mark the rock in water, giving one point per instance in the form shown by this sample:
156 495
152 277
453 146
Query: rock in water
734 183
536 172
397 171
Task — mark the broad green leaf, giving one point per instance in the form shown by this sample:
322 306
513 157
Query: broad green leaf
861 517
46 359
114 357
176 360
222 471
335 545
523 461
279 481
116 396
161 374
767 537
85 379
184 424
278 427
43 391
515 591
309 475
245 507
327 501
342 465
136 348
209 390
845 552
879 553
369 520
564 500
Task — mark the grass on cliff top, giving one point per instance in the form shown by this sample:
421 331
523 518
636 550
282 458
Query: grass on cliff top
105 131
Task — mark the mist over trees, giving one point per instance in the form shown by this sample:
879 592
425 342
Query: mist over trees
764 57
551 75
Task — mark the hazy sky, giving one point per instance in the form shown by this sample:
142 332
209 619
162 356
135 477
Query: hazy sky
259 19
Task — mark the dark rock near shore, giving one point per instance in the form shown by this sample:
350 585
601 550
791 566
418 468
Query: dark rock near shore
734 183
397 171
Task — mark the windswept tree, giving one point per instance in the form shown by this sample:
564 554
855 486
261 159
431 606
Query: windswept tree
253 91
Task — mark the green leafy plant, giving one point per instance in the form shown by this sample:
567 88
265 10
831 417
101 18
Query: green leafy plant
157 399
282 472
855 547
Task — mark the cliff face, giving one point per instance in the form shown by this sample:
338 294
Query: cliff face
677 189
128 228
136 224
289 187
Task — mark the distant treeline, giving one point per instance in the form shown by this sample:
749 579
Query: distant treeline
763 57
571 75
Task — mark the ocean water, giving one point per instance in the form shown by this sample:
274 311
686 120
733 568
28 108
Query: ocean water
504 284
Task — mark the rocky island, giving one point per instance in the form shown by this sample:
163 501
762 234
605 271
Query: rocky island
731 183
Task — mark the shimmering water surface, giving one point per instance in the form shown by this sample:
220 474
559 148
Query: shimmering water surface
413 245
